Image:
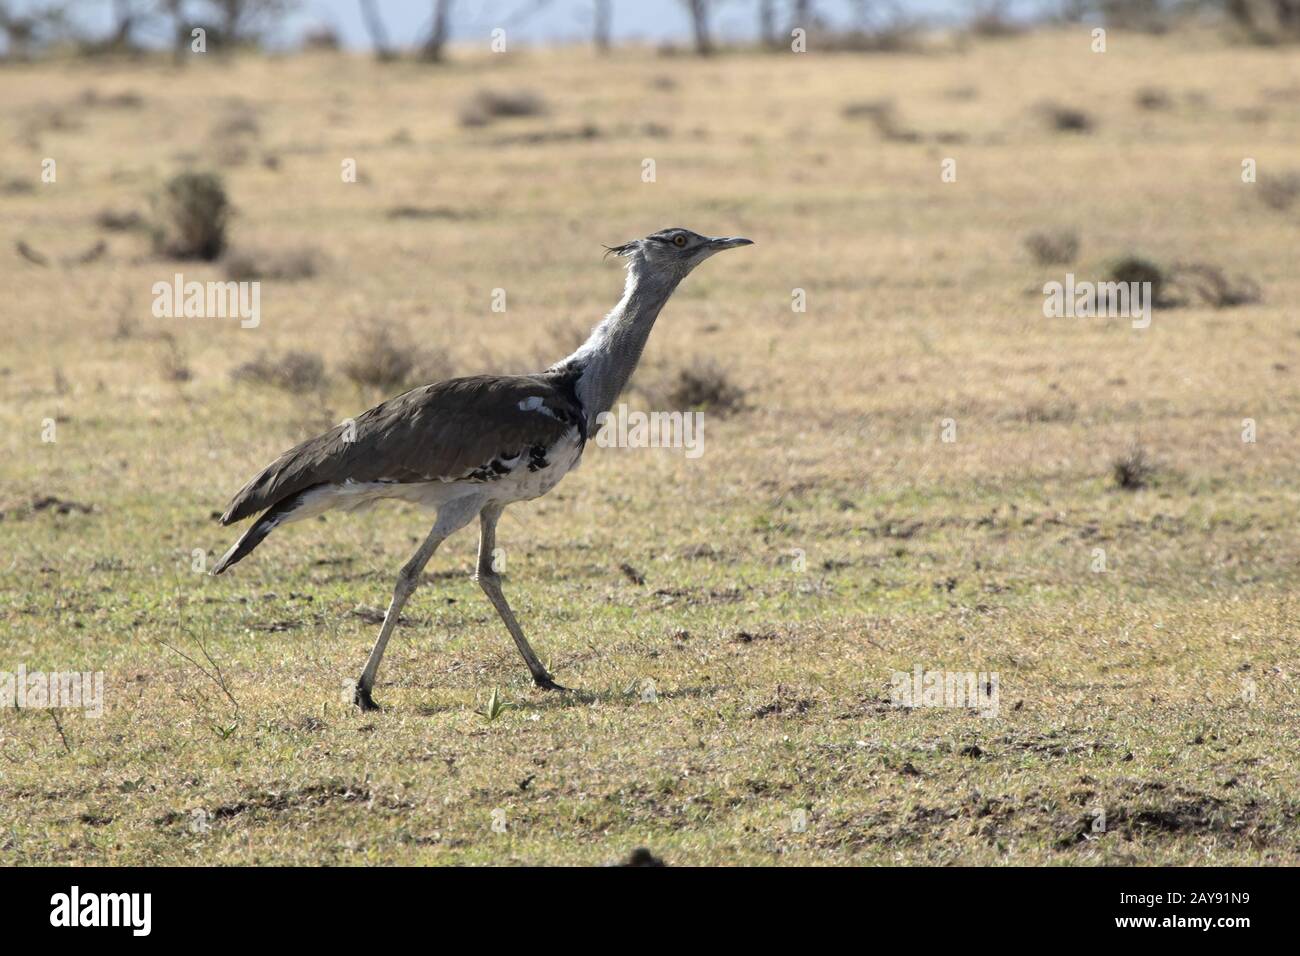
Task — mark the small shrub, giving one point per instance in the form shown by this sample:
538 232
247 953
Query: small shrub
238 122
488 105
704 385
1133 470
126 100
247 264
1216 288
1279 192
884 117
119 220
427 212
192 216
321 37
1057 247
173 363
1136 269
1152 98
294 371
385 358
1066 119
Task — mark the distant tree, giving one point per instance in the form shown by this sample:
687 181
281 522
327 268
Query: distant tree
246 21
600 25
801 14
767 22
127 16
33 26
699 11
378 33
1267 19
174 11
438 34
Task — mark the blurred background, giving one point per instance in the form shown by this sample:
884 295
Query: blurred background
27 26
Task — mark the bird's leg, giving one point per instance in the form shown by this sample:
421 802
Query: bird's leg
490 581
407 580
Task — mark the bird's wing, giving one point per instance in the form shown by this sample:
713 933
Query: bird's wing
444 432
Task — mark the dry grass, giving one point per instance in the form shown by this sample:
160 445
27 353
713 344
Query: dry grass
835 532
1057 247
294 371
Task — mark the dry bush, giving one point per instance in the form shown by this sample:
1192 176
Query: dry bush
1153 98
488 105
191 217
1047 411
173 362
1052 248
1065 119
428 212
386 358
1131 268
1279 192
884 117
703 384
245 264
1215 287
126 100
119 220
1133 470
897 37
294 371
238 122
322 38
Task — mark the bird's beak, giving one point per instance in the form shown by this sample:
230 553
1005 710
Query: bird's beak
729 242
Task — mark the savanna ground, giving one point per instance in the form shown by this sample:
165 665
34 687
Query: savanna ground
1160 692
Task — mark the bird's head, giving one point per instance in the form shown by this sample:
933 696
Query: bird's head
674 252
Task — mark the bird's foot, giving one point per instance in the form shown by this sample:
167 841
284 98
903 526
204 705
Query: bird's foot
362 699
546 682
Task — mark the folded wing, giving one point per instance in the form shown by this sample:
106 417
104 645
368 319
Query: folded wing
444 432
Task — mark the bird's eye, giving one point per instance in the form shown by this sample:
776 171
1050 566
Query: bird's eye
679 241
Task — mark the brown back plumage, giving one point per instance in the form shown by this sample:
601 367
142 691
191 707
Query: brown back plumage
444 431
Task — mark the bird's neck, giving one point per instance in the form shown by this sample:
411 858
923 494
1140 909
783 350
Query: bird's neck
607 360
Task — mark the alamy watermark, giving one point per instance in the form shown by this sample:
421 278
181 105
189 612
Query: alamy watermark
971 690
622 428
1107 300
179 299
39 690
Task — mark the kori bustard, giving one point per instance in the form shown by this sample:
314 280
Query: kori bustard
471 446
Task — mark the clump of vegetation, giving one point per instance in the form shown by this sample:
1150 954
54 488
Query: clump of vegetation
705 385
1279 192
1133 470
1215 287
884 117
172 362
322 38
1066 119
488 105
119 220
247 264
126 100
294 371
428 212
192 215
1133 268
1055 247
387 359
1152 98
